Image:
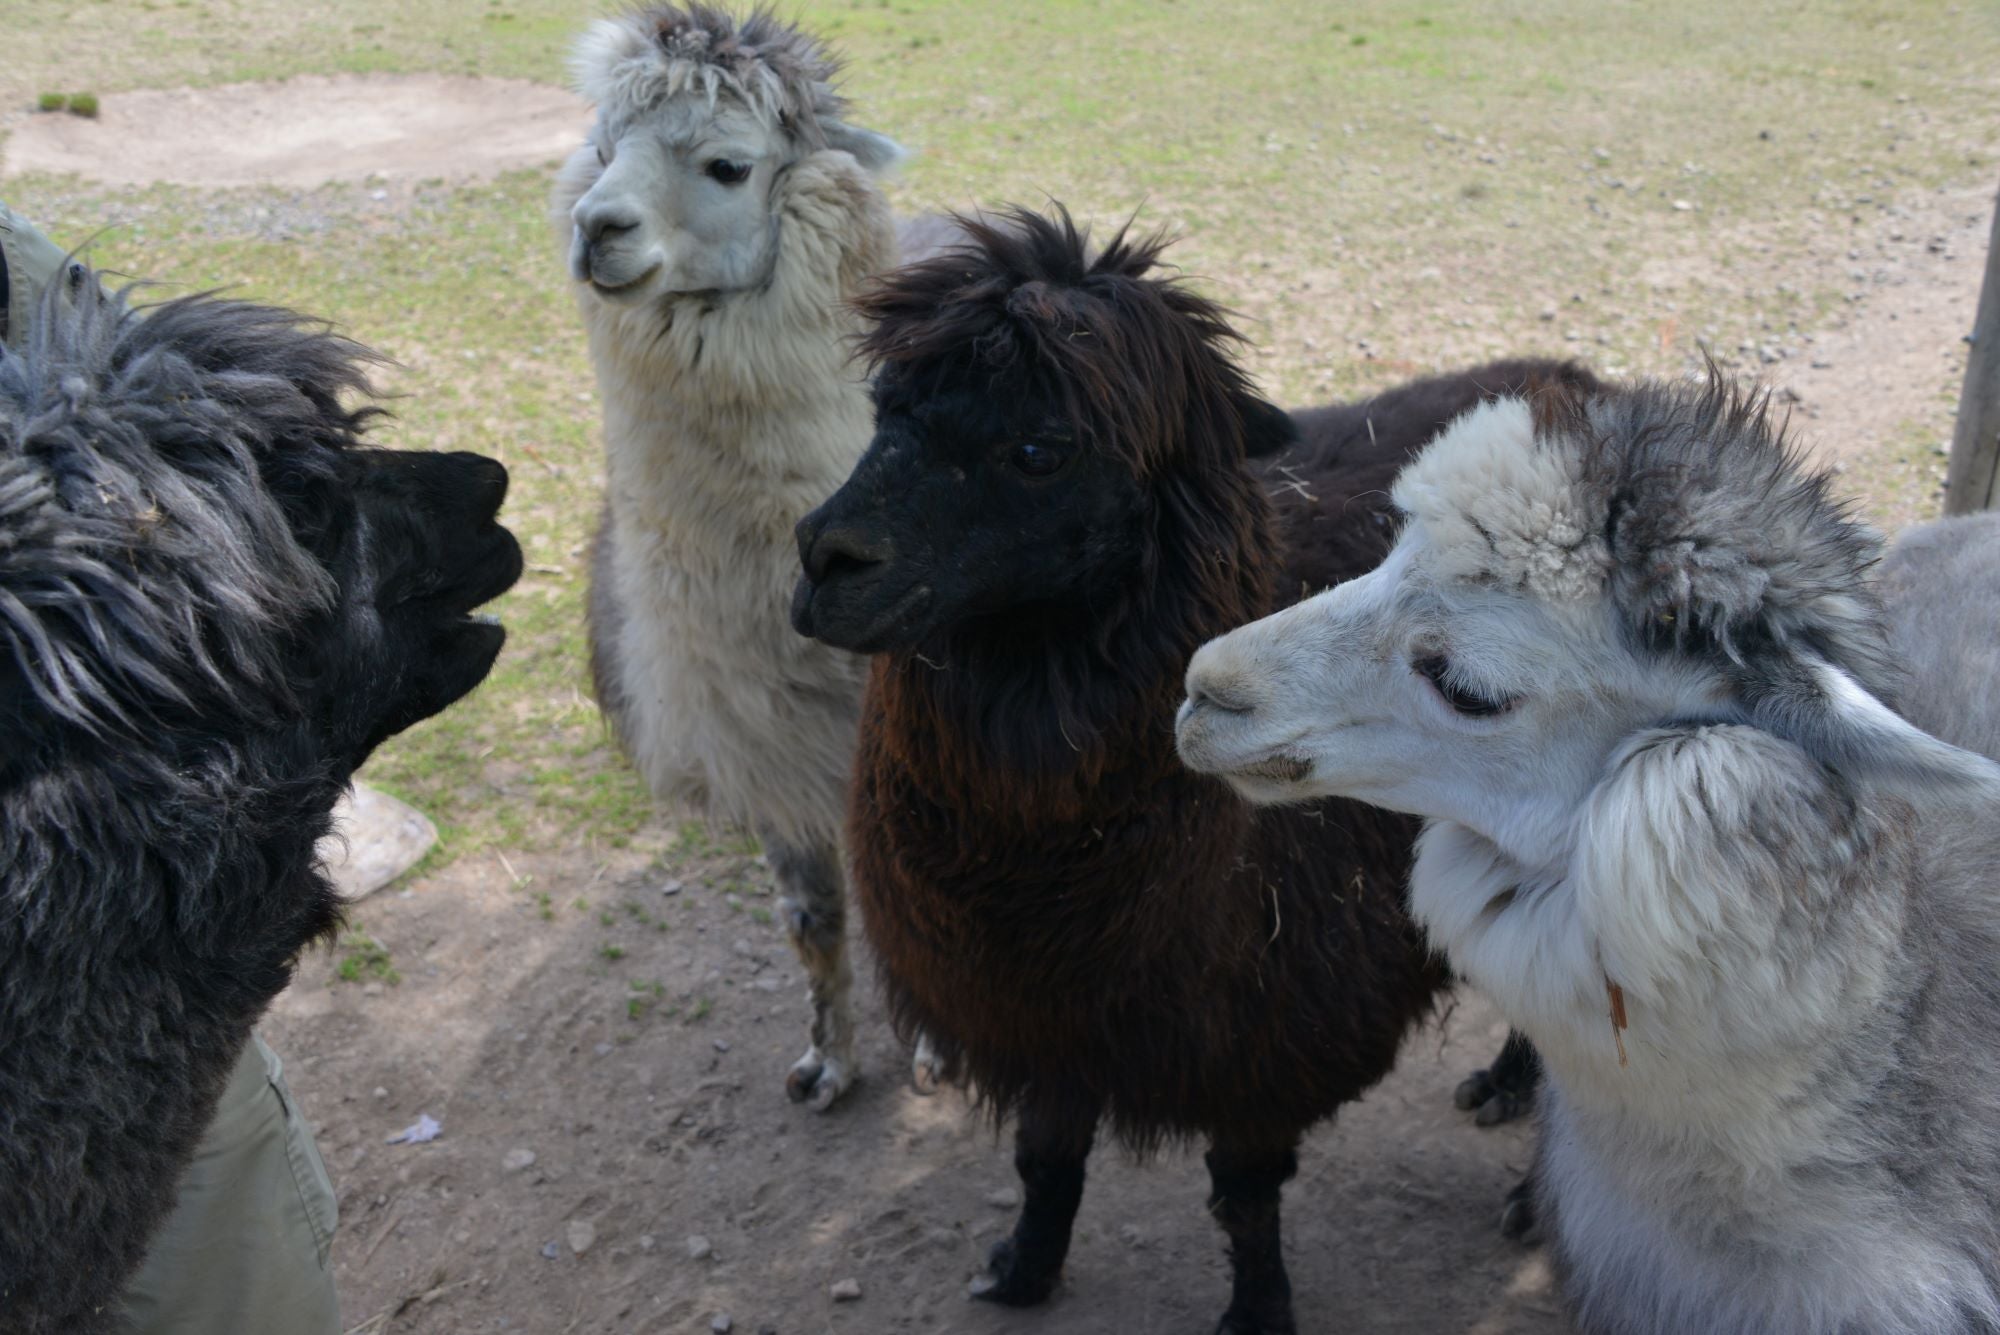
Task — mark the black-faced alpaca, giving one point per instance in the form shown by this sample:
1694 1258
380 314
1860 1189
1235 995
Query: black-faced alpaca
213 604
1058 506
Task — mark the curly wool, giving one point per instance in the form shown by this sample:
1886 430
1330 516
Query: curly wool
631 64
206 620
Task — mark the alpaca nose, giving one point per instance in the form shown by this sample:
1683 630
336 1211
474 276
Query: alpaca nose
599 222
839 549
1228 697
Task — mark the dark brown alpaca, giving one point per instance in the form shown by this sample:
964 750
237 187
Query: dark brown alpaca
1057 509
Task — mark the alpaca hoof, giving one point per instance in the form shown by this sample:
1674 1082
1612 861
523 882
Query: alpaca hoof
1489 1102
1473 1091
1517 1216
818 1081
1008 1282
927 1068
1502 1107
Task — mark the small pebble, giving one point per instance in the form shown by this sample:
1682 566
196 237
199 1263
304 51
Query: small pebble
647 1242
550 1251
603 1049
671 888
699 1248
721 1324
582 1234
381 1093
845 1290
517 1160
1006 1198
722 1045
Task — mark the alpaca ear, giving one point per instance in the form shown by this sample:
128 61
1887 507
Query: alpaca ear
1267 428
1836 720
876 152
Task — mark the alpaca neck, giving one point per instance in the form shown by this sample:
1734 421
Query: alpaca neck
1072 705
697 454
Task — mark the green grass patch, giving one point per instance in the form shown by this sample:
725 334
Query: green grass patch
363 959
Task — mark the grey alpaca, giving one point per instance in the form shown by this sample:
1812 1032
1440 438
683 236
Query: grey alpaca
214 602
718 220
1631 661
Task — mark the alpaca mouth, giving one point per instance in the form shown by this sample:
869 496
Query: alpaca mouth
606 287
815 614
1280 768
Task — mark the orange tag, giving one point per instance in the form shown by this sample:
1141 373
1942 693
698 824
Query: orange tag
1618 1022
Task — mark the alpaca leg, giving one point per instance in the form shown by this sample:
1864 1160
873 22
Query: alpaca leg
1517 1211
814 904
1049 1152
1247 1183
927 1066
1506 1089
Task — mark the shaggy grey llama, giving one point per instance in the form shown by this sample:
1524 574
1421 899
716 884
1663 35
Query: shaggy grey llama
718 219
1628 659
213 604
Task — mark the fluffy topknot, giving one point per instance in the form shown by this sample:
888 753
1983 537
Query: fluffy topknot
144 560
1685 504
1141 363
632 63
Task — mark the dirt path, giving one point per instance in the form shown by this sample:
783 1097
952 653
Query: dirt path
306 131
517 1032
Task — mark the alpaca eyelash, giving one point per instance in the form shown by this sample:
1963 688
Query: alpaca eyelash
1436 669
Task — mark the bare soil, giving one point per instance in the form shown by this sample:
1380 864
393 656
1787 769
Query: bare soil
306 131
517 1032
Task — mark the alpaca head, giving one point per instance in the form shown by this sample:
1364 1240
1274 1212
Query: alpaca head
699 118
1572 570
1042 417
195 545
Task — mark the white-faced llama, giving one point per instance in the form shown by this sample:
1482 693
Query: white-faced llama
1628 659
717 221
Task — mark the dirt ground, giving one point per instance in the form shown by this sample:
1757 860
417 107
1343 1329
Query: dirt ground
603 1037
306 131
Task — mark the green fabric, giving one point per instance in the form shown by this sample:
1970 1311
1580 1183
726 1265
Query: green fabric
33 263
245 1250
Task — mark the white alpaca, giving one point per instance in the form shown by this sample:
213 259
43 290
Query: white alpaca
717 220
1627 658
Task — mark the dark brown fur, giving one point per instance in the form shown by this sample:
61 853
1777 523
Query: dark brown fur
1079 924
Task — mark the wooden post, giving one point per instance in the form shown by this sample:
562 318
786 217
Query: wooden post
1972 479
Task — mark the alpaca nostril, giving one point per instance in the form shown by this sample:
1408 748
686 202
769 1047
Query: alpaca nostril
843 551
600 225
1226 699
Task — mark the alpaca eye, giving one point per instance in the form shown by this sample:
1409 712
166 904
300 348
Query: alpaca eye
1033 460
727 172
1436 669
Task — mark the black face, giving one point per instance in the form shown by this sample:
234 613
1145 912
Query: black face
968 503
417 548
